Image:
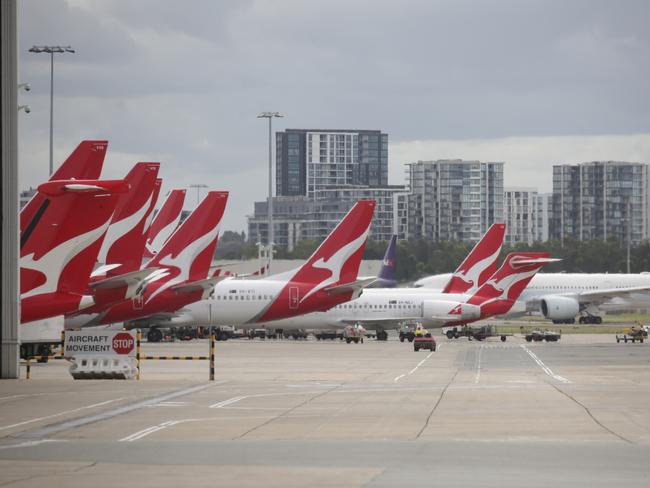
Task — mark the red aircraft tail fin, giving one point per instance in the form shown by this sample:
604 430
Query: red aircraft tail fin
187 254
511 278
59 247
125 239
165 222
480 264
337 259
84 163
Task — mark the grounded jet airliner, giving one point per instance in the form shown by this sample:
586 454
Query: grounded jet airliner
386 308
179 272
563 296
327 279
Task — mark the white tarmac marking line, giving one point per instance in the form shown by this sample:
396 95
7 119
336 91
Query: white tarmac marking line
150 430
225 403
478 365
32 443
168 404
37 419
541 364
397 378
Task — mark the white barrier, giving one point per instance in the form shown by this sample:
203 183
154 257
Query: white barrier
103 367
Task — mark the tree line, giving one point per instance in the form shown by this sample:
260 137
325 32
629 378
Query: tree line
418 258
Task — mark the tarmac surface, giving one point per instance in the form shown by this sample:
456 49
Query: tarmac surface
297 413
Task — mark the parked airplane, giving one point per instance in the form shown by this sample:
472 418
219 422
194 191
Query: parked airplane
165 222
563 296
327 279
180 269
59 246
381 309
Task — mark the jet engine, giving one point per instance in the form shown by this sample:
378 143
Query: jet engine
450 310
559 308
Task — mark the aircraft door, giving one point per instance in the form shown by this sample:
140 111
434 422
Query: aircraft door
138 302
293 297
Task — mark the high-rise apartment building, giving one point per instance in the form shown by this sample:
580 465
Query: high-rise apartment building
453 199
543 206
309 160
600 200
299 217
519 214
320 174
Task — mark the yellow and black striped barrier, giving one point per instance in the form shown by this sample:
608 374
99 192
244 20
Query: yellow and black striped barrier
177 358
140 357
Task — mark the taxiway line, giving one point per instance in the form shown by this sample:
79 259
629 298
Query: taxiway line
545 368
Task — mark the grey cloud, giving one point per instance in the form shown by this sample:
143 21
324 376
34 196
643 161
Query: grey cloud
184 80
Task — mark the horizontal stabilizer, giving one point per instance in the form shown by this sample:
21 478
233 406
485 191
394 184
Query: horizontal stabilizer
125 279
353 286
516 262
199 285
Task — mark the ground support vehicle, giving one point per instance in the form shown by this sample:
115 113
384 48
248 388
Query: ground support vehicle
407 332
262 334
478 333
328 334
353 334
224 332
39 338
294 334
160 334
633 334
543 335
424 342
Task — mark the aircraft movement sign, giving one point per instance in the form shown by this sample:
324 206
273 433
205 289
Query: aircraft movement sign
99 343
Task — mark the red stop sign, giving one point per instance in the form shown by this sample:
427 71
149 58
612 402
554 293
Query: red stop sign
123 343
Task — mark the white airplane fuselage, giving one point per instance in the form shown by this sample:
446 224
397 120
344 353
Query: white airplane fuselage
569 284
377 304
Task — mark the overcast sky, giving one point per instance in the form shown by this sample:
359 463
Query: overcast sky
531 83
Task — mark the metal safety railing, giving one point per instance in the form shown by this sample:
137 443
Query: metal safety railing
141 357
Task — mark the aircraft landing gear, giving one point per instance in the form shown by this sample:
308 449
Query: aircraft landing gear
154 335
382 335
591 319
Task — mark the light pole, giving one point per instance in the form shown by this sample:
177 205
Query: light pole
270 115
198 189
51 50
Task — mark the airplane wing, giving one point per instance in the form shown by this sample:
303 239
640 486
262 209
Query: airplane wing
200 285
126 279
369 322
354 286
608 294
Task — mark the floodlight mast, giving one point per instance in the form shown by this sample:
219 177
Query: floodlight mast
270 116
51 50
